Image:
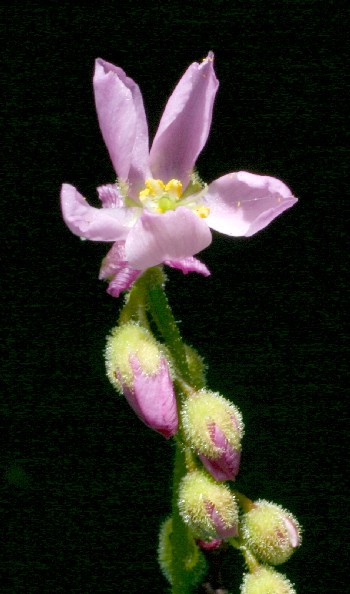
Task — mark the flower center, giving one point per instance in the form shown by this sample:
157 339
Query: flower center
159 197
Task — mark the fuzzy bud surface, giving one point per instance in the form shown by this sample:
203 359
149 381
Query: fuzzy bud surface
209 509
270 532
213 426
266 581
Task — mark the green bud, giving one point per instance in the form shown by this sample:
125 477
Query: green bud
209 509
266 580
195 564
270 532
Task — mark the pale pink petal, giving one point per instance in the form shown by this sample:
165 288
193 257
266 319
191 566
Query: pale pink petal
222 530
97 224
110 196
293 532
187 265
185 124
113 261
115 268
224 468
122 281
153 398
123 124
174 235
243 203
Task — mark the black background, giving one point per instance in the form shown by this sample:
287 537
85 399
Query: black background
84 483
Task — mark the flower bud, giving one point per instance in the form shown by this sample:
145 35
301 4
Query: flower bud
266 580
210 545
208 508
137 367
270 532
194 564
214 428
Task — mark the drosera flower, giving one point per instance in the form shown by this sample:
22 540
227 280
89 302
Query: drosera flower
159 211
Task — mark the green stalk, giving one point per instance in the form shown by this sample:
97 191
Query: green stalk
148 296
181 544
162 315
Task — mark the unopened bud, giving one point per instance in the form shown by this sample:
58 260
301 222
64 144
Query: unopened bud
266 580
213 426
137 367
208 508
270 532
194 564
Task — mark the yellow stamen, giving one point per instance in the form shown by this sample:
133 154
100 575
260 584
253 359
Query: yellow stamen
174 188
202 211
160 197
156 187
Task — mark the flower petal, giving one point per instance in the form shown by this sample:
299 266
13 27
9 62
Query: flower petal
185 124
97 224
113 261
187 265
222 529
244 203
110 196
153 398
224 468
173 235
123 280
115 267
123 124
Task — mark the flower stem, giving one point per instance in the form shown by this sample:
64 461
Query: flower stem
181 543
163 317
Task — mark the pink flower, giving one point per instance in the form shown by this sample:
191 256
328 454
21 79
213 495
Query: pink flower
159 211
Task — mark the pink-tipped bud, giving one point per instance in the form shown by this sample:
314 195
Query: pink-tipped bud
209 509
266 580
270 532
213 427
210 545
137 367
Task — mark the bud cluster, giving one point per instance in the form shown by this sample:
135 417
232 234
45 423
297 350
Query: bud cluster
210 430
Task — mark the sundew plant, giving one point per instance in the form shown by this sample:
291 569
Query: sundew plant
158 213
